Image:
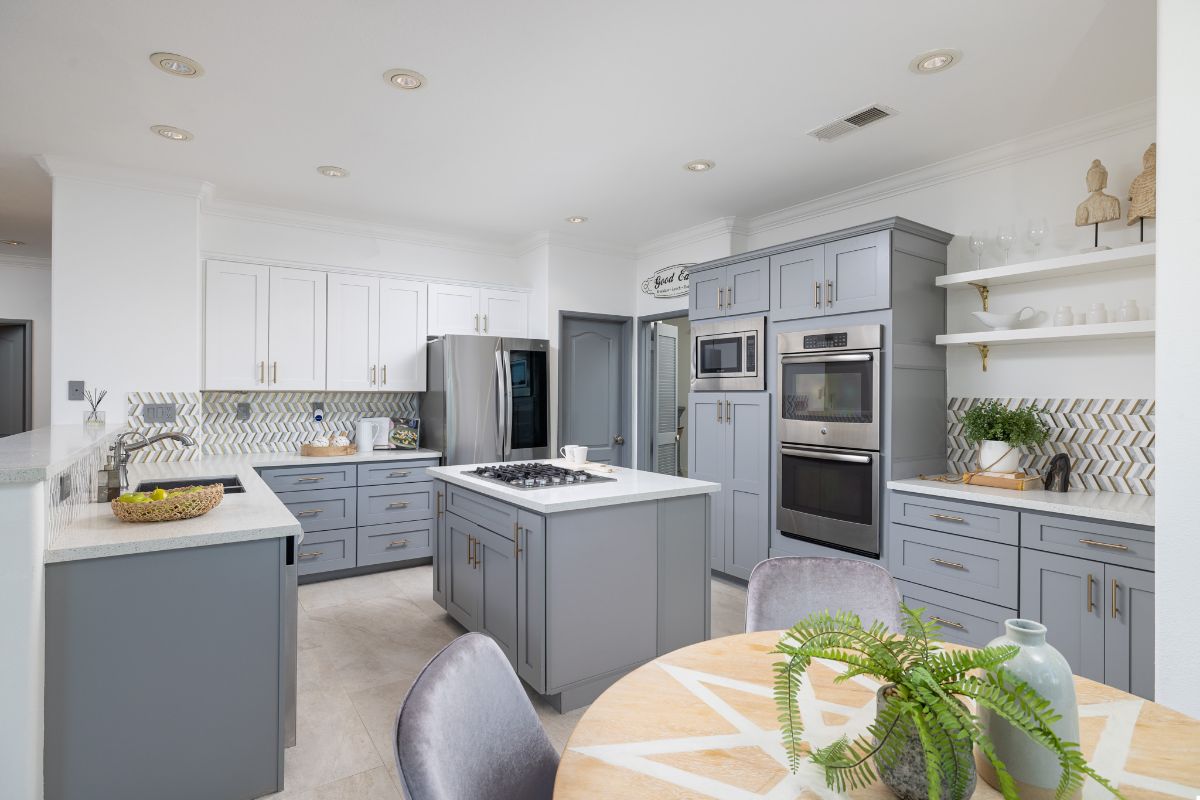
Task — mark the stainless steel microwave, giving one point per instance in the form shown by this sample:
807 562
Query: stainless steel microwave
727 355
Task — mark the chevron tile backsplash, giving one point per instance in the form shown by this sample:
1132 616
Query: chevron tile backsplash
1110 442
279 421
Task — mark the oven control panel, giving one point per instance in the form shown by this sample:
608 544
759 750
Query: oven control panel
751 353
825 341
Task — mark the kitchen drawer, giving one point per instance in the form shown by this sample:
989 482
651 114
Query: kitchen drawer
318 476
486 512
325 551
1125 546
401 502
322 509
949 516
985 571
394 472
383 544
963 620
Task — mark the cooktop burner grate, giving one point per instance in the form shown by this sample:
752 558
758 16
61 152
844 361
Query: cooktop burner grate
536 476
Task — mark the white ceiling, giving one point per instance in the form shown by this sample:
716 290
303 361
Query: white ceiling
540 109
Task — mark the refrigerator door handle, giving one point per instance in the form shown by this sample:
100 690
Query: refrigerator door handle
508 404
502 399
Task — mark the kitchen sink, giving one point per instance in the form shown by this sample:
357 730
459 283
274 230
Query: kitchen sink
232 484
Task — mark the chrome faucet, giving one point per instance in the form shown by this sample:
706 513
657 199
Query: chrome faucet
114 476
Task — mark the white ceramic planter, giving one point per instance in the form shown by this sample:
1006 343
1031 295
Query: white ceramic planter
999 456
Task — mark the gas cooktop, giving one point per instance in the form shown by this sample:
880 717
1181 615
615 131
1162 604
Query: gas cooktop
535 476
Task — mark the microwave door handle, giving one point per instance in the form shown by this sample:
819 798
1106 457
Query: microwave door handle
506 375
822 455
839 357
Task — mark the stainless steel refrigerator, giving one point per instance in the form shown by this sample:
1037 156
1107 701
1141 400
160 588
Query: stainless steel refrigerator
488 399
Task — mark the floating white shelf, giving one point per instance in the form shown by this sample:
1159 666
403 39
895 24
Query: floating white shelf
1138 255
1066 333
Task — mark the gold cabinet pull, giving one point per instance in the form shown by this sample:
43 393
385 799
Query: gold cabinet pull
310 479
398 504
816 294
829 294
470 550
438 504
274 372
312 554
385 374
1091 605
398 543
944 563
516 540
947 517
262 372
1109 545
402 473
1115 587
310 513
948 623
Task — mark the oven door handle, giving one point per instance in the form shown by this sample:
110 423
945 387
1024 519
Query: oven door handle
789 359
790 450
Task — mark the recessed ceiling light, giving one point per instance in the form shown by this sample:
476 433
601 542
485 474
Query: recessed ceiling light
576 220
177 65
172 133
12 242
699 165
404 78
935 61
330 171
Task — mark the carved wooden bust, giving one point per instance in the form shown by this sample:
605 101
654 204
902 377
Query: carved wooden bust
1098 207
1142 195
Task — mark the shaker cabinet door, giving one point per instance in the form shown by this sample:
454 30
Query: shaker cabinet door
353 333
464 582
439 544
748 287
236 307
453 310
497 559
858 274
706 294
531 600
1129 630
504 313
706 459
746 480
296 342
1067 595
402 332
798 284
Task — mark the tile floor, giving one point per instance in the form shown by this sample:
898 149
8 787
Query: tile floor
362 642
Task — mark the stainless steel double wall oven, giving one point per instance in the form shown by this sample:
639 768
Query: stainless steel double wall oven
830 429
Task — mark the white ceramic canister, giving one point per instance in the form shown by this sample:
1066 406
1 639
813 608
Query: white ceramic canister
1097 314
1129 311
1064 316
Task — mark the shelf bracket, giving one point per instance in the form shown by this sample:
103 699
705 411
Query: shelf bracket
983 349
983 294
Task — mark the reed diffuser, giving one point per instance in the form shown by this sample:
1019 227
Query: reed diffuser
95 416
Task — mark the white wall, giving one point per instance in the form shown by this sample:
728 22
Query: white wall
125 289
704 243
25 294
1177 545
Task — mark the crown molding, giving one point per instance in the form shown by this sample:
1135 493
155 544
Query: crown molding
121 177
555 239
1089 129
722 226
24 262
291 218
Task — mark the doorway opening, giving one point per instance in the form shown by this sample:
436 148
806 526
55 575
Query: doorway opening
16 376
594 408
665 355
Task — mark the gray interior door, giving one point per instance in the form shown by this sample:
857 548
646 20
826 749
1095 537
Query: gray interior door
14 376
665 449
594 401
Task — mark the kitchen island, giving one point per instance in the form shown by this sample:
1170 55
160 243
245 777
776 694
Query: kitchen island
577 584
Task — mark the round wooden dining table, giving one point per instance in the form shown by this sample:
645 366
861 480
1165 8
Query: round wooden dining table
701 722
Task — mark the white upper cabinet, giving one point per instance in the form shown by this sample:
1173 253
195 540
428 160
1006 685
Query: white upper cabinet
402 330
504 313
235 325
472 311
353 334
296 338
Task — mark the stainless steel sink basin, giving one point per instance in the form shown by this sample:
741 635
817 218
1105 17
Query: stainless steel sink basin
231 483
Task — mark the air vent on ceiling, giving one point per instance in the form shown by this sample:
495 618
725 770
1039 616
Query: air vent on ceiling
852 122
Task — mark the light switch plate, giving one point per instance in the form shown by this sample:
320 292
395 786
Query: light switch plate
159 413
75 390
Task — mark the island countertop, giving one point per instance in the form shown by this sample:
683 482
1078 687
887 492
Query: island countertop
630 486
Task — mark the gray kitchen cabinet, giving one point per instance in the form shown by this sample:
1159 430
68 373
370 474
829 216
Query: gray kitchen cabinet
1129 630
399 502
858 273
321 509
326 551
730 440
706 294
496 562
396 541
531 599
985 571
464 585
1066 594
798 283
740 288
438 546
963 620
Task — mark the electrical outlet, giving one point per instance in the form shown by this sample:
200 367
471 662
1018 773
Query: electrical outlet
159 413
243 412
64 486
75 390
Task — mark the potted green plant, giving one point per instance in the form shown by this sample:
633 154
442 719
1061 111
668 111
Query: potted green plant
1001 431
921 742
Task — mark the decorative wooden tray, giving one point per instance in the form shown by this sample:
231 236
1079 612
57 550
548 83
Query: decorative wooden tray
1017 480
344 450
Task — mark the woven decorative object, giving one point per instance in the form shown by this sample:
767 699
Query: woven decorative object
180 506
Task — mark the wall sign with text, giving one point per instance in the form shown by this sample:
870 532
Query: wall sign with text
669 281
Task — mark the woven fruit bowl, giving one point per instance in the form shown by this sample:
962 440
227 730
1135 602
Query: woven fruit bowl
182 503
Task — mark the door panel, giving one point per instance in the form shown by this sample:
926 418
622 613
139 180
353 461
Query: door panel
15 372
464 582
798 288
858 273
236 306
498 608
453 309
1055 592
504 313
402 330
664 449
746 464
353 334
705 292
531 600
296 343
706 460
748 286
1129 630
595 362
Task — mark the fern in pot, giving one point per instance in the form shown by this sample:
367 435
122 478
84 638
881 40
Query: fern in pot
1001 432
922 740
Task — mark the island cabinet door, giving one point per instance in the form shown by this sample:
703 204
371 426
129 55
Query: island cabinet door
531 599
439 543
1129 630
706 459
1067 595
496 559
464 582
746 481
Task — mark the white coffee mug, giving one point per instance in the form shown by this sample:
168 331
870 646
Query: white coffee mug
567 451
579 455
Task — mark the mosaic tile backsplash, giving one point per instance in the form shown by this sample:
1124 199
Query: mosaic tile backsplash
279 422
1110 442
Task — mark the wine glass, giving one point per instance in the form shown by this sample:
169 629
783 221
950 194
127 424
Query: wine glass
1036 233
975 243
1005 236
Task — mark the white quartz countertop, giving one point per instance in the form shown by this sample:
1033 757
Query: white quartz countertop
1128 509
38 454
630 486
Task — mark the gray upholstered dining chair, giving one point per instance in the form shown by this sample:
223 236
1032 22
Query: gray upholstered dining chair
783 591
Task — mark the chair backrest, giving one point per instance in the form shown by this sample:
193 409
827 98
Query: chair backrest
783 591
466 729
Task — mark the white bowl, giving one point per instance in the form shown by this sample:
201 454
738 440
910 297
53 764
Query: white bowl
1004 322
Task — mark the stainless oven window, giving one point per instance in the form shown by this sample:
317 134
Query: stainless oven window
832 389
721 355
830 489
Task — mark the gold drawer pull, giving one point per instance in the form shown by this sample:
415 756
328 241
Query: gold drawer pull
311 479
312 554
398 543
1109 545
400 473
310 513
941 621
951 564
398 504
947 517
